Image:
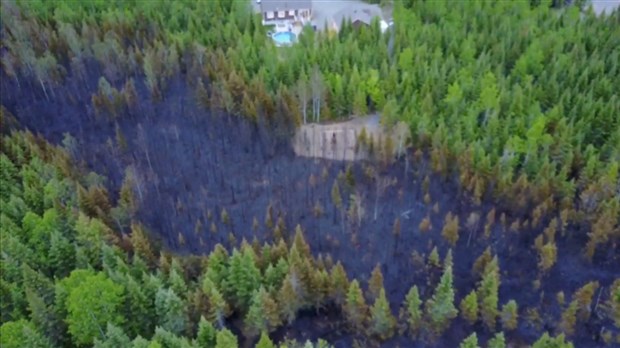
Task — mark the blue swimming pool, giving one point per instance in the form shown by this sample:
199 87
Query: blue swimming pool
283 38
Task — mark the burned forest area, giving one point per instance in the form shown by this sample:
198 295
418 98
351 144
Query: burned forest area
152 195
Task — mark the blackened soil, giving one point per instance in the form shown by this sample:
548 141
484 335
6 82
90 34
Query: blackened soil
191 162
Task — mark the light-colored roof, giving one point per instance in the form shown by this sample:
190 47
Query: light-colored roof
282 5
364 14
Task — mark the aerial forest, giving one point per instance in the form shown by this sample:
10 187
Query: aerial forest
150 196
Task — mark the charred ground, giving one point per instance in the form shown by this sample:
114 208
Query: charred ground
193 164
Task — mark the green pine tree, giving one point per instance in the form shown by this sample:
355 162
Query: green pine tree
339 284
488 294
469 307
440 308
470 342
382 322
375 283
499 341
263 314
546 341
265 341
413 312
243 278
355 307
510 315
226 339
289 299
206 334
114 337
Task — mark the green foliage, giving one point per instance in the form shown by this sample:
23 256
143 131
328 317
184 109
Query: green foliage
226 339
21 333
170 309
355 307
289 297
206 334
469 307
488 294
265 341
440 307
263 314
114 337
243 278
339 284
498 341
413 311
510 315
382 322
546 341
375 283
470 342
94 300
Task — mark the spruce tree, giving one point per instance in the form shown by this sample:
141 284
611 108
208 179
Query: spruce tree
450 229
375 284
170 309
300 242
355 308
206 334
433 258
448 261
263 315
243 278
141 244
319 288
510 315
440 308
413 312
498 341
481 262
488 294
288 298
339 284
336 196
218 261
226 339
583 296
140 307
115 337
382 322
275 274
470 342
218 307
265 341
569 318
469 307
546 341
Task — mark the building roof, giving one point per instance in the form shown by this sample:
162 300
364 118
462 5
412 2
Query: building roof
363 14
281 5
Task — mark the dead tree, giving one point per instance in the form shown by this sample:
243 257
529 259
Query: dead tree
381 185
303 94
142 142
317 93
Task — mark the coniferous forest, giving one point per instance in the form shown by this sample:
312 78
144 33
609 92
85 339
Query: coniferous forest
150 196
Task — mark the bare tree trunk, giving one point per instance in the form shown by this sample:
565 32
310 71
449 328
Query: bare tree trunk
317 93
376 205
44 90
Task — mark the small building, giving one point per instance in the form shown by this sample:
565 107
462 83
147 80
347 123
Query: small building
274 11
359 16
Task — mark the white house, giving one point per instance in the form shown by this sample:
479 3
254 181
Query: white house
274 11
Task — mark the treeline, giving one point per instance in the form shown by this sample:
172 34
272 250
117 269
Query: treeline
71 278
515 99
